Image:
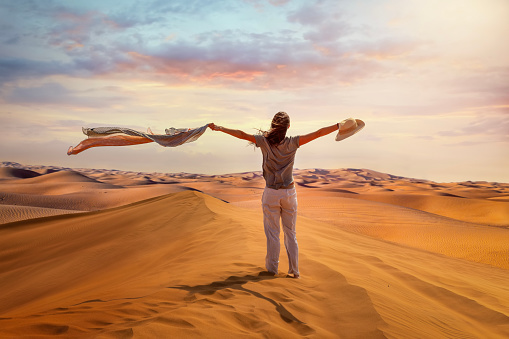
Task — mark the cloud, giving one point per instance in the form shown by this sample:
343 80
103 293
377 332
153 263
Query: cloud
324 23
481 86
47 93
55 94
32 127
386 48
131 41
237 58
191 64
13 69
309 15
491 124
319 44
278 2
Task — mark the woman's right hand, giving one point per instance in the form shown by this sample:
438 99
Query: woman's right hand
213 127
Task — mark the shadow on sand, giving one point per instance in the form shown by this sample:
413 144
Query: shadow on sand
237 283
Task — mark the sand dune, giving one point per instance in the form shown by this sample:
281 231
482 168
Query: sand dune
187 264
415 228
471 210
11 213
156 257
18 173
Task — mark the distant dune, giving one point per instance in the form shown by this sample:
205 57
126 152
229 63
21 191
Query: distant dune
114 254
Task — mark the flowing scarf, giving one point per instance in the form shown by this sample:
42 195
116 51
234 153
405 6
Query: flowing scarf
173 137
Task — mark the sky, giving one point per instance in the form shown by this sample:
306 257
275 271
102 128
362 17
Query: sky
429 78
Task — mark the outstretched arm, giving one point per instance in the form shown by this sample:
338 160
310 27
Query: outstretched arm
233 132
304 139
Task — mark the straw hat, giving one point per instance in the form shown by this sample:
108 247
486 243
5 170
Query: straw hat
349 127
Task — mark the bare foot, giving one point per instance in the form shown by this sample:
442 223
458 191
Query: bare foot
295 276
69 151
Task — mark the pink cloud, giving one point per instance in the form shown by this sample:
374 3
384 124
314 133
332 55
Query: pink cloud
76 29
258 75
386 49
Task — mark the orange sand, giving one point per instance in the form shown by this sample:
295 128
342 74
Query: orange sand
112 254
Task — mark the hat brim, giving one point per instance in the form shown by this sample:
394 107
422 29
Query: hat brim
341 136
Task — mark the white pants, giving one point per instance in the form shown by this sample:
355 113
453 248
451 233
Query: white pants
280 204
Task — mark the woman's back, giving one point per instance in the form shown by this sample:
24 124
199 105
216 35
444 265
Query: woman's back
278 160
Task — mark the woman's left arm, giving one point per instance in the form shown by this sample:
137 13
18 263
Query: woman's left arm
304 139
233 132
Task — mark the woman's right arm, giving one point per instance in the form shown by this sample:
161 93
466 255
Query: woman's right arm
233 132
304 139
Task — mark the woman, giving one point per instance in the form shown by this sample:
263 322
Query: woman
279 200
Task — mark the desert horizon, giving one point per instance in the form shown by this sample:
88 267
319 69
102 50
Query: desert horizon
116 254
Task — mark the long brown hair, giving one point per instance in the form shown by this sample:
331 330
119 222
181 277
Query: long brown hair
278 128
